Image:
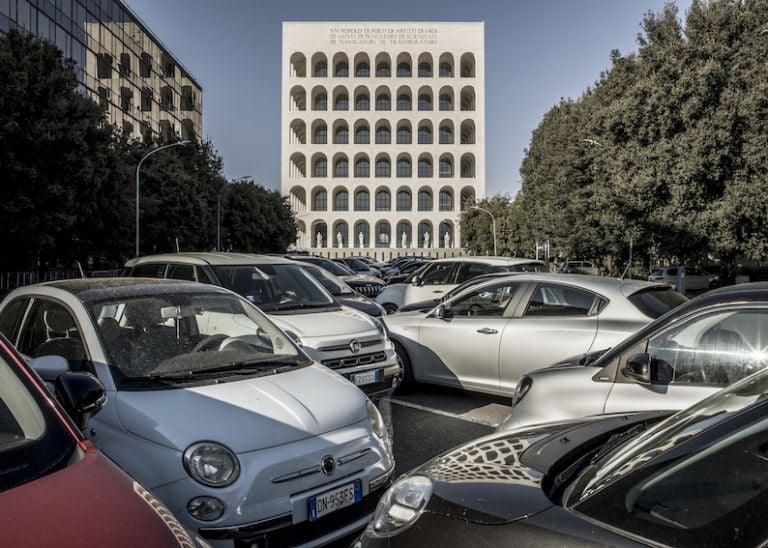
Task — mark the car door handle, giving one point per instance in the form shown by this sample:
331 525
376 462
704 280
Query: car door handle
487 331
438 291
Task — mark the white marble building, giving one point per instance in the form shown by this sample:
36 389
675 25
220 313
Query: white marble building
383 134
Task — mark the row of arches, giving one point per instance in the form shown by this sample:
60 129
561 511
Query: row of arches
382 166
405 234
404 98
403 65
382 132
382 199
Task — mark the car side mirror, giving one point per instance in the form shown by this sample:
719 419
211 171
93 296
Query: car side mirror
417 280
50 367
639 368
81 394
443 313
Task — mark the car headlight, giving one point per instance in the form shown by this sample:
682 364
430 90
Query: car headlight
377 421
401 506
521 390
382 328
211 464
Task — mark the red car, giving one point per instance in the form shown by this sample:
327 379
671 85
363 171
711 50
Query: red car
56 488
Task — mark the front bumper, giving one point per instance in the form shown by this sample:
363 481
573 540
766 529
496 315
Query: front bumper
385 361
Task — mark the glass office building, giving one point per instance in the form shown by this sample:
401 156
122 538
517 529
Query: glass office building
120 63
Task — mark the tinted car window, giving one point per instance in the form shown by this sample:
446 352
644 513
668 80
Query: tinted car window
181 272
487 302
11 317
558 300
467 271
202 276
655 302
50 330
437 274
156 270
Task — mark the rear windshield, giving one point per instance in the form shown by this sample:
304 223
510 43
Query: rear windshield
655 302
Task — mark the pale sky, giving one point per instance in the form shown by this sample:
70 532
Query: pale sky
536 52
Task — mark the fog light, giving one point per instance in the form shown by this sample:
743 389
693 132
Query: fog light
205 508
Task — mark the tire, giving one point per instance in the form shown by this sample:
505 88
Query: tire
390 308
408 382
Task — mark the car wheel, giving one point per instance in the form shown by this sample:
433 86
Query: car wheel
407 383
390 308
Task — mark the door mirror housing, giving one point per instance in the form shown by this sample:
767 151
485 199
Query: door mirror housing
50 367
81 394
443 313
417 280
640 368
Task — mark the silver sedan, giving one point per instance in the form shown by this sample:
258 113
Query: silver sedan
487 337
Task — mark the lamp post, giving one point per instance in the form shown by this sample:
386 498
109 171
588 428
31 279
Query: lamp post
493 221
138 182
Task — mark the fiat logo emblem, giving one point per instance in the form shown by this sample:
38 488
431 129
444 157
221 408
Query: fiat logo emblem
354 346
328 465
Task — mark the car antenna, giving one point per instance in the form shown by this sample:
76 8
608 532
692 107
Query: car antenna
624 274
80 268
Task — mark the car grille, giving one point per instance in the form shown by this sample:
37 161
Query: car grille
368 290
352 361
345 347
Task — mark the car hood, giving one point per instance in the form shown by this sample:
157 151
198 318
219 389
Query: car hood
244 415
361 278
316 329
363 304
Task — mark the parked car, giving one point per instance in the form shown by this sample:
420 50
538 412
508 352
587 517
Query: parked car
368 286
212 407
695 479
695 279
487 337
442 275
339 337
344 294
383 268
429 304
56 488
579 267
359 267
406 270
691 352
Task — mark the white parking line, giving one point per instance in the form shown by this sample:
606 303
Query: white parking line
461 416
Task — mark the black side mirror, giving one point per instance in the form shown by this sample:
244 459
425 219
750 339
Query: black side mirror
638 368
416 280
81 395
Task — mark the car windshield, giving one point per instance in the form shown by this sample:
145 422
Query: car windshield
275 287
335 286
181 334
334 268
33 441
357 264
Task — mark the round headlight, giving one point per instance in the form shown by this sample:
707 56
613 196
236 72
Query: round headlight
377 421
401 506
211 464
205 508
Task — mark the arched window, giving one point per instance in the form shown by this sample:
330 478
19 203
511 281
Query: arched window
321 201
403 102
382 234
320 168
342 102
321 102
403 135
362 201
342 70
341 229
362 70
403 168
362 135
363 168
446 103
403 200
362 228
446 201
383 201
425 135
446 167
341 168
341 136
383 168
383 102
425 168
425 102
403 70
403 234
446 70
382 70
425 201
321 69
425 69
363 102
383 136
341 201
446 135
321 135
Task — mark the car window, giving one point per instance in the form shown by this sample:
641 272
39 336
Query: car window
671 272
487 302
718 348
202 276
12 316
181 272
654 302
559 300
437 274
152 270
51 330
467 271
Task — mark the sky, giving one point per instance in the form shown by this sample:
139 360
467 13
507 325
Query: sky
537 52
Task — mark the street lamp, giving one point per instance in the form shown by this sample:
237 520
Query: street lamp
138 181
493 221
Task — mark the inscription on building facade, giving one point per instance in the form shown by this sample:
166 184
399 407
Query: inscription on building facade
383 36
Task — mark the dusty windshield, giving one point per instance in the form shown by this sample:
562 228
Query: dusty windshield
335 286
189 334
275 287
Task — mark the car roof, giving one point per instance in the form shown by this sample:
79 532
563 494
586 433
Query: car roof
497 261
95 289
210 258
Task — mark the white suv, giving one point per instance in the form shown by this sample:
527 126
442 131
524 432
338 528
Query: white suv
442 275
341 338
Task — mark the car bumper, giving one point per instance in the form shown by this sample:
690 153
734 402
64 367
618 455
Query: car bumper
377 379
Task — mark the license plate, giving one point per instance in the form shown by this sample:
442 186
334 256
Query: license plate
368 377
335 499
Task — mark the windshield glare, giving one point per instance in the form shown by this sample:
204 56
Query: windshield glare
334 285
172 334
274 287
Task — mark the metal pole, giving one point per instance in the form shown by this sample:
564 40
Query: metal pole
138 182
493 222
218 222
630 258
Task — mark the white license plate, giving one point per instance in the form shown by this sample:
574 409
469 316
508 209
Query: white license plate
368 377
335 499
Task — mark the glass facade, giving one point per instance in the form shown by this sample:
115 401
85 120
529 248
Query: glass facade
120 63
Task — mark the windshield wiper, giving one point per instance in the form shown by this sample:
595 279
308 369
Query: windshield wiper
616 440
246 367
157 378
